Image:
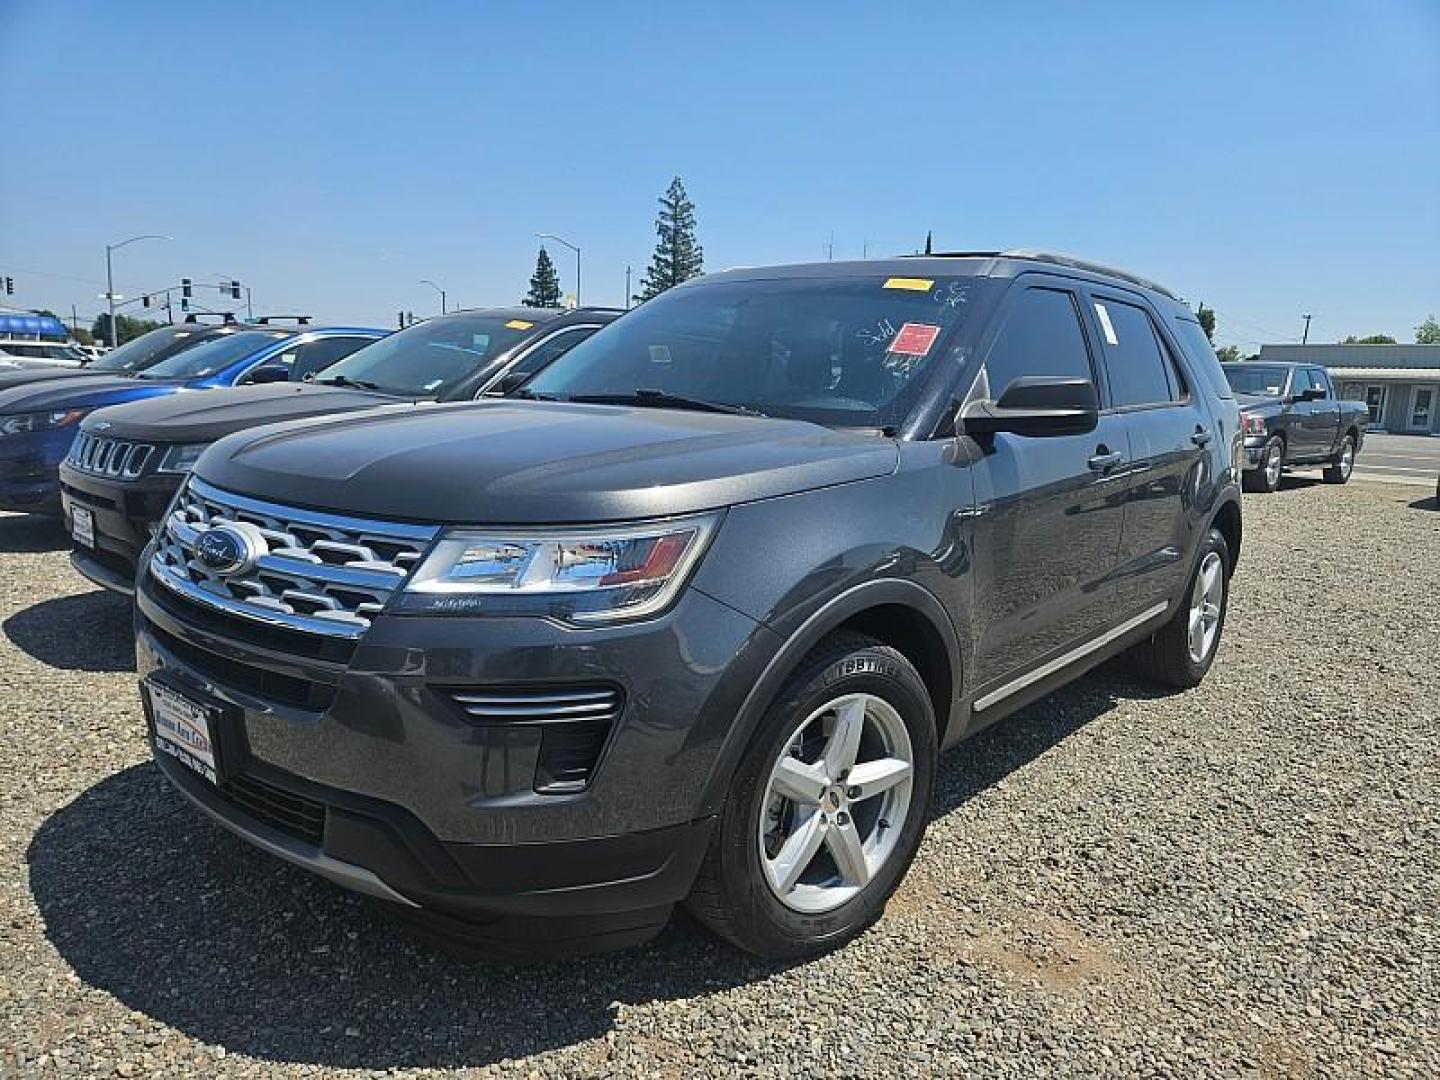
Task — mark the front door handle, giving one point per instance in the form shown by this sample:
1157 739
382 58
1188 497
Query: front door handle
1103 461
1201 437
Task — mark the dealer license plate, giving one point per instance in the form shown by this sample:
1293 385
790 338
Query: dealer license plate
82 525
184 729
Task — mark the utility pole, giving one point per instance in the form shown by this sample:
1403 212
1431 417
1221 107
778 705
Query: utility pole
572 247
437 288
1305 337
110 277
627 286
830 247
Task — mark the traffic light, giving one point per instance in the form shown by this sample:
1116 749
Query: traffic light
235 290
145 300
9 286
185 290
402 320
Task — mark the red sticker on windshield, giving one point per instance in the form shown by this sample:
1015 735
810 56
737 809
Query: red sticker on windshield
914 339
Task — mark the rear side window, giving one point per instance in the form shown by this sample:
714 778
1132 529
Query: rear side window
1140 373
1041 336
1202 356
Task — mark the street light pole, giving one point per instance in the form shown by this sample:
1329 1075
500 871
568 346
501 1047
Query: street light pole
110 276
437 288
572 247
1305 337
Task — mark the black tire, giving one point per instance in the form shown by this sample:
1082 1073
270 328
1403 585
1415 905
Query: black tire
1261 479
1342 464
1165 656
731 895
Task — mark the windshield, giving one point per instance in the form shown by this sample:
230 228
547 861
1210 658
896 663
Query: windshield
214 355
847 352
1262 380
429 358
148 349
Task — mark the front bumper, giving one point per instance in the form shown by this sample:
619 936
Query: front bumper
362 769
125 513
29 464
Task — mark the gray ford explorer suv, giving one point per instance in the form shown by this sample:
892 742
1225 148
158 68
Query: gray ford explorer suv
692 619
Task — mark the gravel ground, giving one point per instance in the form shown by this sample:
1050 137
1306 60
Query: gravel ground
1239 880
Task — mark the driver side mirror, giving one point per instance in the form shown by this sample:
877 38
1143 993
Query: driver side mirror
1036 405
1314 393
510 382
269 373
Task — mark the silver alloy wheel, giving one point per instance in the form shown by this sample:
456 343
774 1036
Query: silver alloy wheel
1272 464
1347 458
836 802
1206 597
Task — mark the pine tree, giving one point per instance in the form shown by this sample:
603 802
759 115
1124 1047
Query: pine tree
544 283
929 241
678 256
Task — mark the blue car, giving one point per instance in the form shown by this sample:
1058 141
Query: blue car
38 420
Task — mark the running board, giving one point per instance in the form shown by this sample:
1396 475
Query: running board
1060 662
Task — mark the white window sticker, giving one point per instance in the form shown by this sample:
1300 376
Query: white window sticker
1110 337
660 354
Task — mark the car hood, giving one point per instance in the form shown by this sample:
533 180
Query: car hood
1252 402
12 377
524 462
203 416
74 393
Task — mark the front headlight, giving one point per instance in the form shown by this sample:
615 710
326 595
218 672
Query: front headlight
584 576
182 458
26 423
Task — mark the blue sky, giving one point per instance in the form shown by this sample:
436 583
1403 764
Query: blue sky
1270 159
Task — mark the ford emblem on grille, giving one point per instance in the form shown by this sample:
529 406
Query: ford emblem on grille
231 548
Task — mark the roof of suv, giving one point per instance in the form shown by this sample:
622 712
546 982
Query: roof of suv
976 263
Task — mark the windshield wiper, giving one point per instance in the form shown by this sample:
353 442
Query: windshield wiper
345 380
664 400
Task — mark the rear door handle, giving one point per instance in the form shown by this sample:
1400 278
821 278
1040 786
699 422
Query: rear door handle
1201 437
1104 462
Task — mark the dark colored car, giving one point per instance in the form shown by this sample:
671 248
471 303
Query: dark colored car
1290 415
38 420
137 354
693 617
129 459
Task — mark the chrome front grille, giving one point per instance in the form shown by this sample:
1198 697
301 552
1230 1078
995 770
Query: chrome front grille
101 455
319 573
541 705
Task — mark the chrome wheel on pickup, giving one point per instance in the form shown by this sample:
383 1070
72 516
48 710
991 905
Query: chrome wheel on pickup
1343 464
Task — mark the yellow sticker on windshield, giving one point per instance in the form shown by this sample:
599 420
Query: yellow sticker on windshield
914 284
518 324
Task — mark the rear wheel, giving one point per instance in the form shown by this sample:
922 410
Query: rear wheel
1267 477
1343 463
827 807
1181 652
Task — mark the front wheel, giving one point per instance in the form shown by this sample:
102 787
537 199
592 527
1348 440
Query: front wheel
1267 477
1342 464
1181 652
827 807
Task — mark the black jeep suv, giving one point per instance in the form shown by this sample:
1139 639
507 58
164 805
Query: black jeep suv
128 460
694 620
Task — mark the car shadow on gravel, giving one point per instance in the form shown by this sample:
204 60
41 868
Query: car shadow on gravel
30 533
182 922
88 632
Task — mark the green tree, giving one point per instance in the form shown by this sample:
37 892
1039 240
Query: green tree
1206 318
1373 339
1228 354
544 283
1428 332
126 328
678 256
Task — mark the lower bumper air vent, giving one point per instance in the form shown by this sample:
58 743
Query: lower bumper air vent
575 723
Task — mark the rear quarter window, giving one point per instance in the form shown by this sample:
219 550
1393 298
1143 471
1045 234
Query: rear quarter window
1201 356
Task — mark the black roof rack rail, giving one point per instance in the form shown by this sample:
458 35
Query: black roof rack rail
1076 263
299 320
1055 258
226 317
